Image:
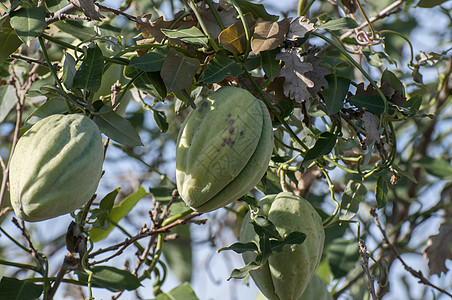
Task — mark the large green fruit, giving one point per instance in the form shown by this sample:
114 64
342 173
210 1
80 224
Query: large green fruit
56 167
316 290
223 149
286 274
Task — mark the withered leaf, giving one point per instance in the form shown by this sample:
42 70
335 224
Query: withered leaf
233 38
317 75
89 8
268 35
152 28
370 125
439 249
296 82
298 28
227 17
305 180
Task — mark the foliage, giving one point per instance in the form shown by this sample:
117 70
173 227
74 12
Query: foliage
360 121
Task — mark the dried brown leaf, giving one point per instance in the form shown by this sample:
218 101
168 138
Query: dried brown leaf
268 35
233 38
439 249
296 82
317 75
152 28
298 28
305 181
276 87
361 90
370 125
89 8
227 17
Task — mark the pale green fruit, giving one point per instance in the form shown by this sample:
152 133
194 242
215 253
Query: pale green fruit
223 149
286 274
316 290
56 167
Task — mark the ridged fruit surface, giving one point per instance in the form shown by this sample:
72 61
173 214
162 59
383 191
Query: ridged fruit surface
56 167
286 274
316 290
223 149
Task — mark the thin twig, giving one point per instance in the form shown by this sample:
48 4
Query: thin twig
34 61
145 233
365 265
417 274
19 110
70 263
27 237
384 13
117 12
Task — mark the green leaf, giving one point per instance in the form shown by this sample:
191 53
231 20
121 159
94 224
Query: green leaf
15 289
149 82
190 35
29 23
335 62
219 68
342 256
269 184
240 247
111 278
249 200
372 103
436 166
164 196
403 173
265 250
178 71
76 29
178 252
181 292
69 70
160 119
7 101
271 66
393 81
354 193
244 271
10 41
413 105
335 93
109 200
381 192
116 127
106 204
89 75
264 227
430 3
117 213
150 62
52 106
342 23
373 58
258 10
323 146
55 5
293 238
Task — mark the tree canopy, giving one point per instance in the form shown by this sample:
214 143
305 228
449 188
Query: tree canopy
360 124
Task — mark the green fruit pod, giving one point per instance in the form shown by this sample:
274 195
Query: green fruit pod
56 167
223 149
286 274
316 289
